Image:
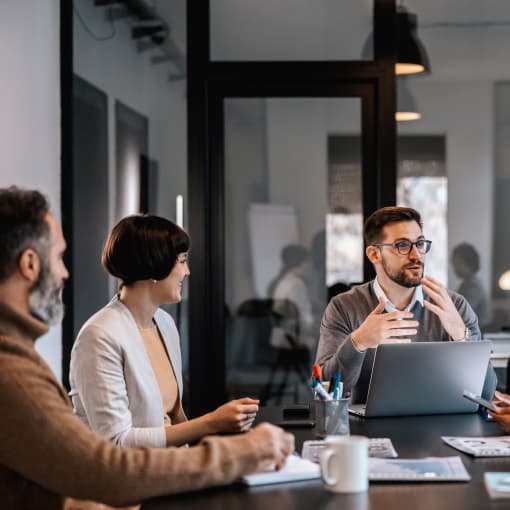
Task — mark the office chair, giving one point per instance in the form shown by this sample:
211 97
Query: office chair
256 314
291 355
279 319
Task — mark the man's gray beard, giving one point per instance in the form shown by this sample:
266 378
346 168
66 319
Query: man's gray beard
401 277
45 300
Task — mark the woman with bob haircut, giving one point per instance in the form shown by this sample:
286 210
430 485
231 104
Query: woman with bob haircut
126 376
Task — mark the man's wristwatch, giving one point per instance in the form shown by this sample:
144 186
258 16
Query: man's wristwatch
467 335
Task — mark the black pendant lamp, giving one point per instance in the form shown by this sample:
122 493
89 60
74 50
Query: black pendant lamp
406 105
411 55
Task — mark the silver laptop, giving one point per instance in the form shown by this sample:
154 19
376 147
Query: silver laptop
425 378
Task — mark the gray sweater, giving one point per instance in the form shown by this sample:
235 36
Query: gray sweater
345 313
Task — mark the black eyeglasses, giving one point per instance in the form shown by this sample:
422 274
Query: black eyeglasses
404 247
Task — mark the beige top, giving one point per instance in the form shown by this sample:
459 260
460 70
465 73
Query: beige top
163 371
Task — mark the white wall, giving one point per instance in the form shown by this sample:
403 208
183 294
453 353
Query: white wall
30 106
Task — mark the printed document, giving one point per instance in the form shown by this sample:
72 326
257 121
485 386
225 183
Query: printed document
428 469
498 446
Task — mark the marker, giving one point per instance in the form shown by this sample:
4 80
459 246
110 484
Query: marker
316 376
320 391
316 372
332 383
339 387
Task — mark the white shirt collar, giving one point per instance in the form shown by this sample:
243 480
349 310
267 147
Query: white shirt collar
389 306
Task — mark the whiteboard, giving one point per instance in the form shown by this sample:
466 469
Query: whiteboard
271 227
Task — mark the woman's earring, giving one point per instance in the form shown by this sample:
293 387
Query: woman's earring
154 281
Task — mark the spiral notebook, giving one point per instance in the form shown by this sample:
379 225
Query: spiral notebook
296 469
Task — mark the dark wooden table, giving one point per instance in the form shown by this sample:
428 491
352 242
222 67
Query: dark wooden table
412 437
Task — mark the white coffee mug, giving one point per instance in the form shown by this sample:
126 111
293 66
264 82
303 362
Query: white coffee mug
344 464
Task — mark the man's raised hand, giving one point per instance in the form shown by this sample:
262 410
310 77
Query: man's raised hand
380 327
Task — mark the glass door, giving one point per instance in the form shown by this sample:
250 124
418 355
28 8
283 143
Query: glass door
293 234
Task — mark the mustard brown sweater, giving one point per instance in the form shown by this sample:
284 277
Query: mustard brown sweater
47 454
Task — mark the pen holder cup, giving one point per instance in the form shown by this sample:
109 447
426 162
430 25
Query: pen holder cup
331 417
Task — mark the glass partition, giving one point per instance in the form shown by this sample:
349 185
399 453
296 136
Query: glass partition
292 213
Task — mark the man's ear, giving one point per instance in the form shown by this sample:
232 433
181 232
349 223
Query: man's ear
373 254
29 264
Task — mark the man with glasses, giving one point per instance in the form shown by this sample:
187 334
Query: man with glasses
399 305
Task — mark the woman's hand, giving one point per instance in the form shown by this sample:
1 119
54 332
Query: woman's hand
502 415
234 416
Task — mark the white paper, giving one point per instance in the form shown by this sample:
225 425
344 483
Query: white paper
428 469
497 484
377 447
498 446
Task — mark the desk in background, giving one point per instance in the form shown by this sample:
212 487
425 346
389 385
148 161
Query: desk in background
500 348
499 357
412 437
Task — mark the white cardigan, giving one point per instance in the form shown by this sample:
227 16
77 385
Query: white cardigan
113 387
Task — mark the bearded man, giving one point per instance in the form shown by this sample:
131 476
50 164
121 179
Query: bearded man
399 305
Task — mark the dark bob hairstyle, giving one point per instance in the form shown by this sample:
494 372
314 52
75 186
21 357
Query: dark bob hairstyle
143 247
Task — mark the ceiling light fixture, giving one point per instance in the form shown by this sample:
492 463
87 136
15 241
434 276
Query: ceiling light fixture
406 105
504 281
411 55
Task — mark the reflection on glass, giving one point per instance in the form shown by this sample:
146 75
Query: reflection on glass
281 184
345 243
423 184
428 195
465 261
